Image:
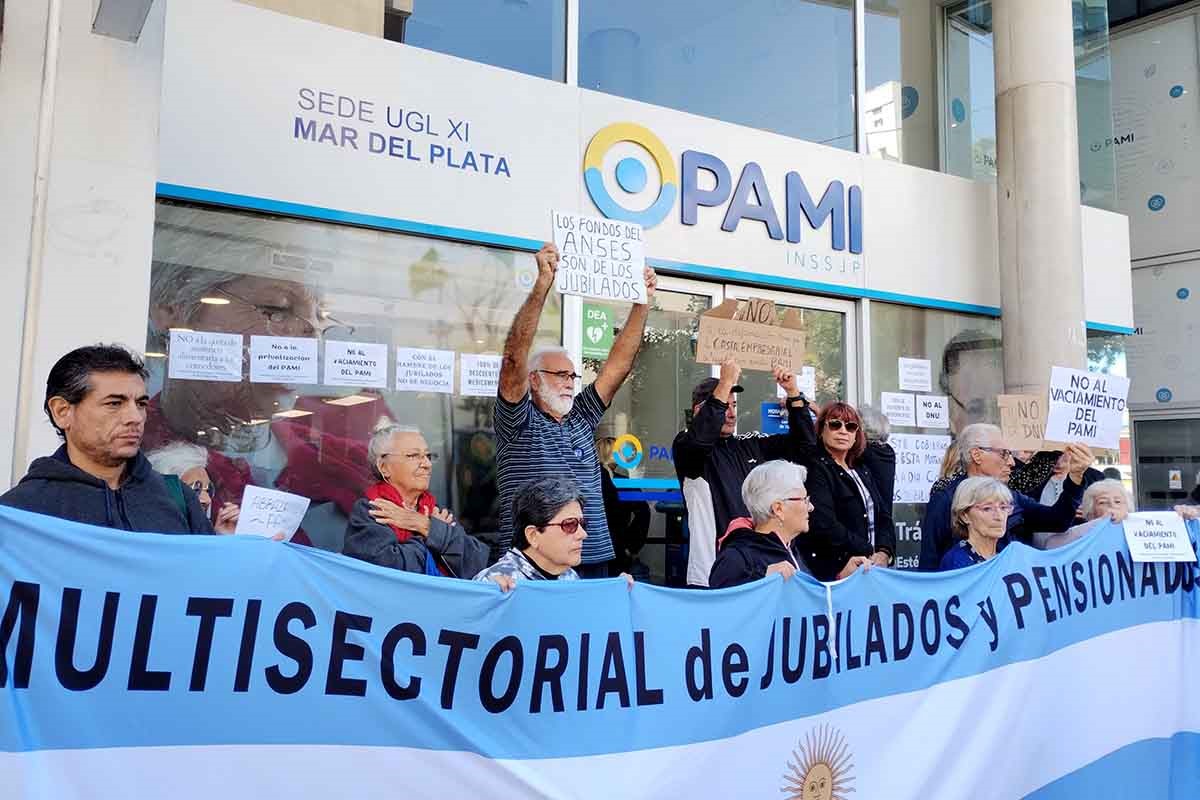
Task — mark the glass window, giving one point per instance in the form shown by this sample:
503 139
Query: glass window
256 275
967 367
900 106
652 406
523 35
1168 463
1106 353
780 65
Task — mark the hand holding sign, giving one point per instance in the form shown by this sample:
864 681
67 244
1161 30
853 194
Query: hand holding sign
1079 459
547 264
270 513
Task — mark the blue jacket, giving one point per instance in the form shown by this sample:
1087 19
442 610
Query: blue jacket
56 487
1028 517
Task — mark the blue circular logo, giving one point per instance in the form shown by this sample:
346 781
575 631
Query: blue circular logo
631 175
1163 395
1156 203
910 98
1177 91
1183 293
958 110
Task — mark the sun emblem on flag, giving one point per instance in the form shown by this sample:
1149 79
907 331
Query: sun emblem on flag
820 766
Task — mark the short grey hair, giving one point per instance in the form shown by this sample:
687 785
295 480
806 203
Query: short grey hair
380 439
537 502
177 458
183 285
973 491
539 355
769 483
875 425
979 434
1088 504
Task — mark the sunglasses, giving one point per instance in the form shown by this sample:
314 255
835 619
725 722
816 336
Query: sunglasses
837 425
568 525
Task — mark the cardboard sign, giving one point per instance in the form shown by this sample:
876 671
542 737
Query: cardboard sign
267 512
602 258
1158 536
1086 407
1023 422
918 463
900 409
750 336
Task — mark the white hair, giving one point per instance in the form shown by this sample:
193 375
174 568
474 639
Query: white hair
537 356
973 491
381 438
1088 504
177 458
980 434
875 425
769 483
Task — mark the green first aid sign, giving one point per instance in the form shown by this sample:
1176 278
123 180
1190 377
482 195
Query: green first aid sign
597 330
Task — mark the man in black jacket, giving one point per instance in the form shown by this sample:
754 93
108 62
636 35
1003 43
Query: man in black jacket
712 463
96 399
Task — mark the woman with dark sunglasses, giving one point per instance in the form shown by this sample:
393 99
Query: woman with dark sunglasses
548 534
850 516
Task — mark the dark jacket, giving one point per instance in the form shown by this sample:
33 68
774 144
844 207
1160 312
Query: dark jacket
461 554
838 526
880 460
745 555
1028 517
56 487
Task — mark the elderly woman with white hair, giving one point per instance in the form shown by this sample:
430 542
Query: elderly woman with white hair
1106 500
187 464
779 507
979 517
398 523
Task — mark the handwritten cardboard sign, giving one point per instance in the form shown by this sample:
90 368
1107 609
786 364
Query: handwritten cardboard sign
749 334
1023 422
602 258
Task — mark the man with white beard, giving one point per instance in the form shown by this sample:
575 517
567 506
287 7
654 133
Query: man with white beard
543 428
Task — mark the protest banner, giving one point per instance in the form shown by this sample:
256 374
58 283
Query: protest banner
248 664
1086 407
601 258
751 334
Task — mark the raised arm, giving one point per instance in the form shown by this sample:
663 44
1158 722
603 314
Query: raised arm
625 349
514 374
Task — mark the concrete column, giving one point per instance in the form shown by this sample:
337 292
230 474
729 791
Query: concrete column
1037 191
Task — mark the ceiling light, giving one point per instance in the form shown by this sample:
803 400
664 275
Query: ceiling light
350 400
154 354
295 412
215 301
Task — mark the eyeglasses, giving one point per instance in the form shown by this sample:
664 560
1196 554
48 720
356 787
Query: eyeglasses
568 525
413 457
806 499
562 374
1004 453
837 425
992 508
200 487
282 320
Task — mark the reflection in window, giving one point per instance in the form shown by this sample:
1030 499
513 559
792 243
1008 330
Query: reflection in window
255 275
900 105
1106 353
780 65
523 35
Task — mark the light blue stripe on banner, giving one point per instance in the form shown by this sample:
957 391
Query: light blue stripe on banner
1167 768
646 483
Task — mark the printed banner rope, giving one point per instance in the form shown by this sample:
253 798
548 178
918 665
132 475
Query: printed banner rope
140 665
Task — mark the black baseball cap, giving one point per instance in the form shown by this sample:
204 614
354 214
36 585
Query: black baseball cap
705 388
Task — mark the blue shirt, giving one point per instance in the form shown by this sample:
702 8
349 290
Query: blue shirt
963 555
531 445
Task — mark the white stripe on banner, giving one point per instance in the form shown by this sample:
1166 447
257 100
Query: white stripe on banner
1023 725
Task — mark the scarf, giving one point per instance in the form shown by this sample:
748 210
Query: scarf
385 491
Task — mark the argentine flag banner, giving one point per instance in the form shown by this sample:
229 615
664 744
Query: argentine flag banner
198 667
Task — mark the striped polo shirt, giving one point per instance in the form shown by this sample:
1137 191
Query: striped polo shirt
531 445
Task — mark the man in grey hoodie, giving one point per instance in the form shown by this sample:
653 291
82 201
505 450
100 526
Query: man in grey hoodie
96 399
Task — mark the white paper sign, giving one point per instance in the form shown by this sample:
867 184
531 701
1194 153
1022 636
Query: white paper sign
601 258
806 381
420 370
1174 479
1158 536
479 376
267 512
283 359
1086 407
916 375
918 462
201 356
900 409
356 364
933 411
